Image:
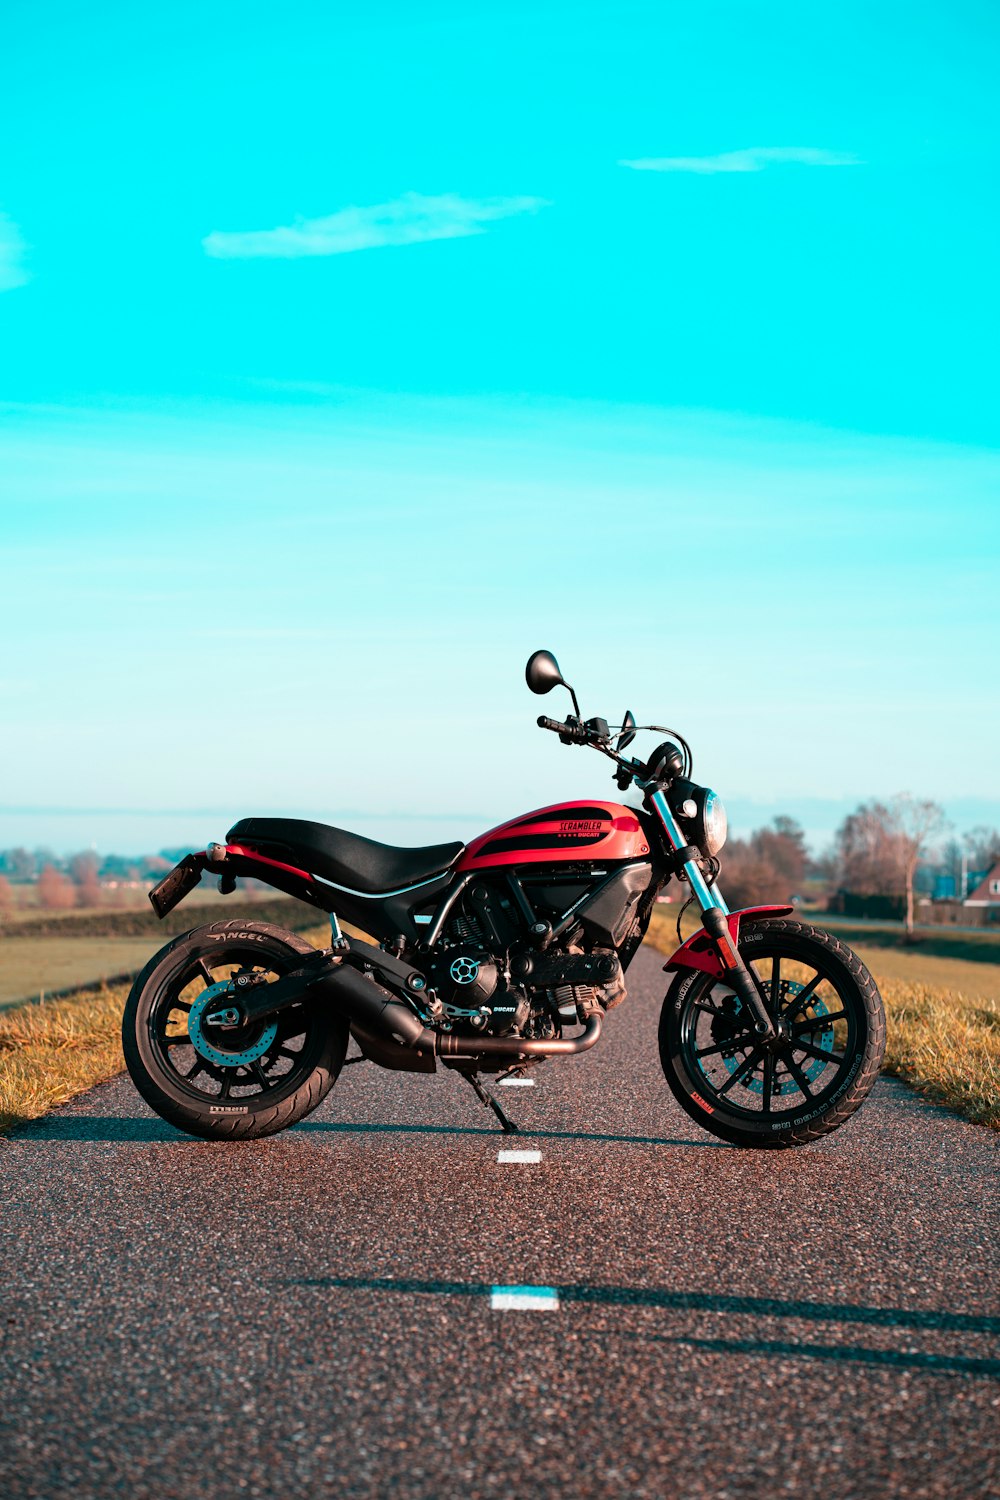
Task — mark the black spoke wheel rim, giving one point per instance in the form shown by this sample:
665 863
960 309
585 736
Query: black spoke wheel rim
279 1054
794 1077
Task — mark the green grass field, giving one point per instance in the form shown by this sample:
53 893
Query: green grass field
982 947
45 951
33 967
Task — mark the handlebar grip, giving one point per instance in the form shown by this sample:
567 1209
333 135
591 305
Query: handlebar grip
570 734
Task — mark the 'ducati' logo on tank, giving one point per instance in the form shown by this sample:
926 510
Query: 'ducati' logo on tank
557 832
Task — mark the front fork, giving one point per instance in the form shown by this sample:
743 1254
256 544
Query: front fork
714 912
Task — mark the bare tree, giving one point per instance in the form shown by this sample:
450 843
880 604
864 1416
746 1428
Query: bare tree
982 845
88 892
917 822
6 894
825 866
869 857
83 867
750 878
880 846
55 890
783 845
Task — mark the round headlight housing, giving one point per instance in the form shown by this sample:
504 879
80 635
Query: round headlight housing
715 824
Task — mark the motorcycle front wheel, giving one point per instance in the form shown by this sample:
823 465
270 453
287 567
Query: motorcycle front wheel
226 1084
805 1082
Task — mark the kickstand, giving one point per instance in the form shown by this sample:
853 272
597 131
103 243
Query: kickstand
487 1098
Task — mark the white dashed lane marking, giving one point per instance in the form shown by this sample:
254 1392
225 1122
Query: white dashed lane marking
521 1156
524 1299
517 1083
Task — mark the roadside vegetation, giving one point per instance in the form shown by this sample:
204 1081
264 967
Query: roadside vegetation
50 1052
946 1046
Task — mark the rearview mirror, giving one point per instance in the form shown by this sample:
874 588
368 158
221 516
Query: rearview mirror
542 673
628 730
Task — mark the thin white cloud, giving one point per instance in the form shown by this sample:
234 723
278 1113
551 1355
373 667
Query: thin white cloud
752 159
12 248
405 221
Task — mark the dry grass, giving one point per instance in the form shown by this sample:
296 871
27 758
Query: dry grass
946 1046
50 1052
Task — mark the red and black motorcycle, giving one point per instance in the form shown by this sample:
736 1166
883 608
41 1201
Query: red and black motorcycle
490 957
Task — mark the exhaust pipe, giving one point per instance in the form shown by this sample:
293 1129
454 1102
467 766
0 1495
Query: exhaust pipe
513 1046
376 1011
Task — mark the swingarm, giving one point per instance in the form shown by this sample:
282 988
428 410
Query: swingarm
252 998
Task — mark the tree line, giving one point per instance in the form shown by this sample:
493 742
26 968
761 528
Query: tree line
877 851
60 882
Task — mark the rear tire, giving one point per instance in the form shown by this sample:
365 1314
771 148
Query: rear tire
809 1085
271 1074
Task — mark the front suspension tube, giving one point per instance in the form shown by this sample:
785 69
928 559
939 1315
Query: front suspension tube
714 912
738 976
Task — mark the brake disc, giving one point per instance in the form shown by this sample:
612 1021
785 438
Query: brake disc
728 1025
242 1051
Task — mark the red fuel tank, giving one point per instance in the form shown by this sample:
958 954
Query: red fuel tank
568 831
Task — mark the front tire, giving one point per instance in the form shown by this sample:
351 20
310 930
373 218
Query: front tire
814 1078
225 1085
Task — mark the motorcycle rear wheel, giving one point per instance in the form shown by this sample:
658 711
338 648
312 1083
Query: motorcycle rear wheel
219 1084
810 1083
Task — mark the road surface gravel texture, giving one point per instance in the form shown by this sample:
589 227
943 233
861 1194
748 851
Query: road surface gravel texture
311 1315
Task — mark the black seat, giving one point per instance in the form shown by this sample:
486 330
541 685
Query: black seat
344 858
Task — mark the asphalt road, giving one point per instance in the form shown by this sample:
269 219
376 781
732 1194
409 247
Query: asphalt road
313 1315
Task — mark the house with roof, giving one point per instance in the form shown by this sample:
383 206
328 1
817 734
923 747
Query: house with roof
987 892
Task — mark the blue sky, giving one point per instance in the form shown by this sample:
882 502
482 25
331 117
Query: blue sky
349 353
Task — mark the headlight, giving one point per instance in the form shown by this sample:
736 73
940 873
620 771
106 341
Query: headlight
714 823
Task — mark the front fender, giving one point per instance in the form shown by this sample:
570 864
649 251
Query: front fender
699 951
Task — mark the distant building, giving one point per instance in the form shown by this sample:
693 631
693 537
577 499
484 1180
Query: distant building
987 891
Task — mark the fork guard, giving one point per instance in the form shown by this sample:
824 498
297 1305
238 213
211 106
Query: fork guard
700 952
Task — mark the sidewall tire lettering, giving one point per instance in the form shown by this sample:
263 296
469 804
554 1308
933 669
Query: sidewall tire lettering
254 1117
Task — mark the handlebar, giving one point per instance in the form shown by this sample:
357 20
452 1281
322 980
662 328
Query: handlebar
594 732
567 732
